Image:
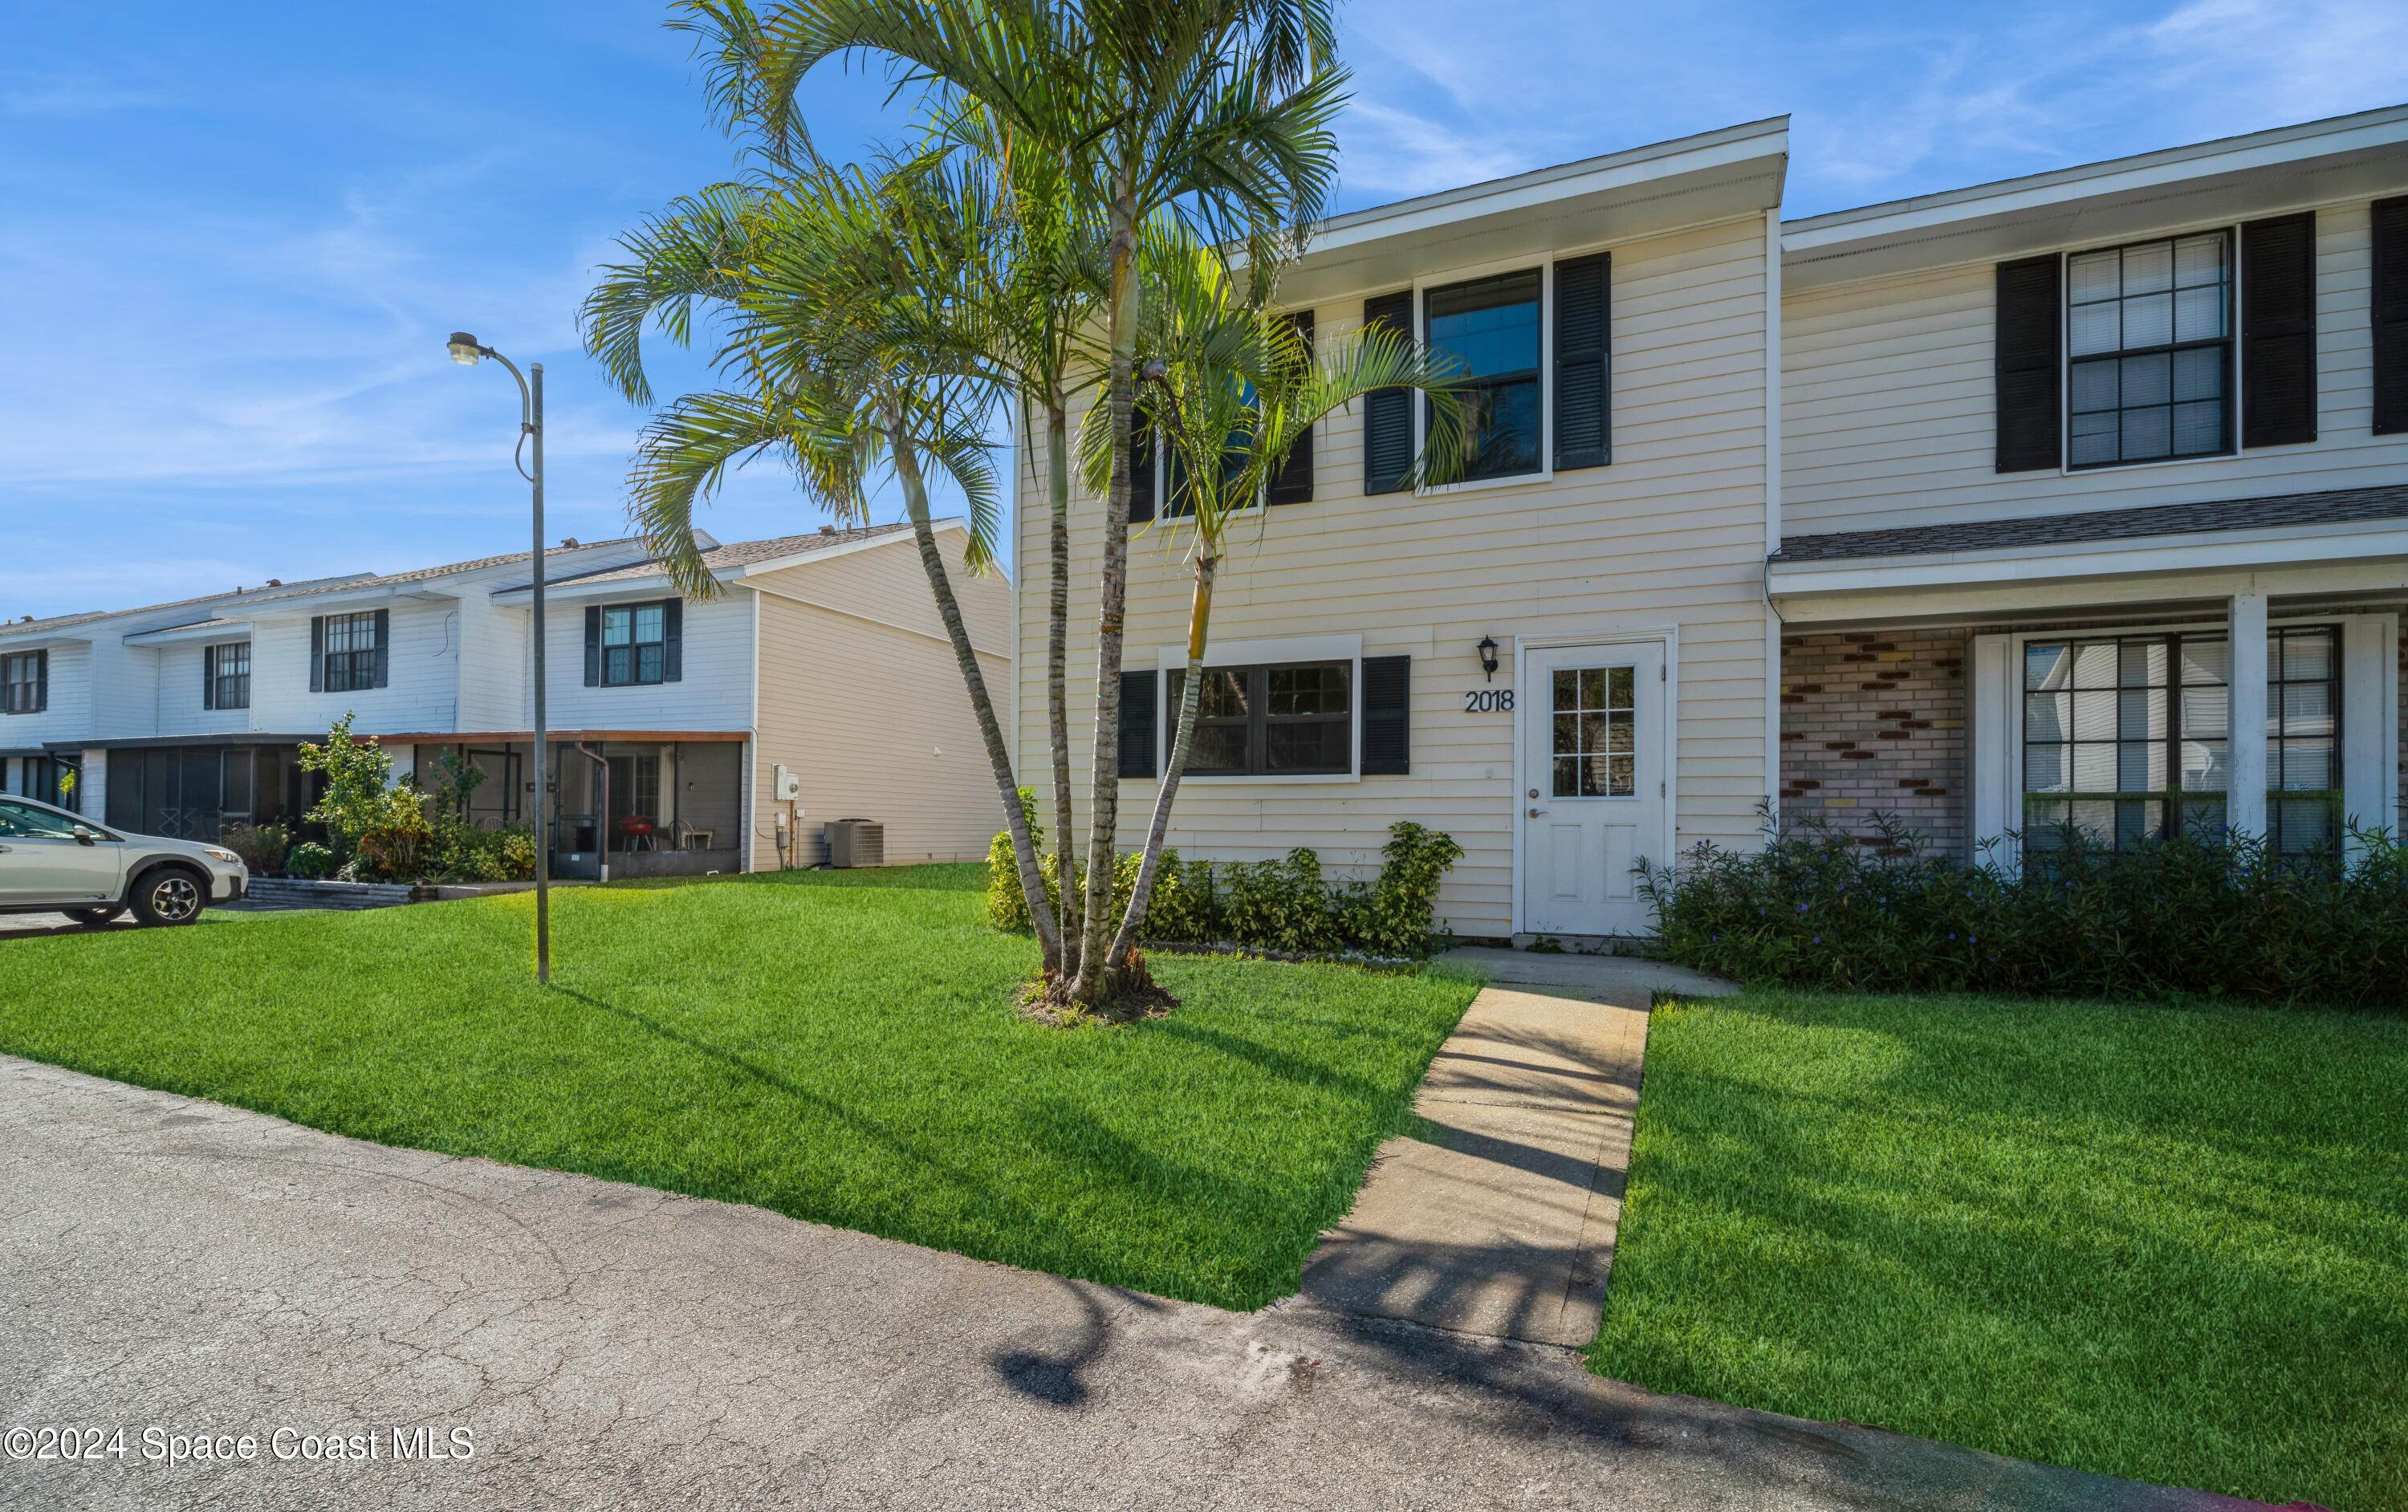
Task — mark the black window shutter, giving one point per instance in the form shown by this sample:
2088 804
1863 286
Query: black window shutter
673 640
592 645
1387 716
42 683
317 653
383 647
1584 357
2390 316
2278 331
208 677
1137 724
1294 483
1144 442
1388 413
2030 419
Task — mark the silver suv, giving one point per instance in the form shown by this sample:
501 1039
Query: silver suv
55 861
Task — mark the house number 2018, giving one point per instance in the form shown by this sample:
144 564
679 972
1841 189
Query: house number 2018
1488 701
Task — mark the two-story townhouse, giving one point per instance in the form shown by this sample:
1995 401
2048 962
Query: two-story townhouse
819 659
67 681
2093 502
2081 498
1560 657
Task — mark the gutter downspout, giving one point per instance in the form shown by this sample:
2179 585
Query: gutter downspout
1771 510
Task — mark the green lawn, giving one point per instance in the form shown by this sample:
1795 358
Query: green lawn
841 1047
2160 1242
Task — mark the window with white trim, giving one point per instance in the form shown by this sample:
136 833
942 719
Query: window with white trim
230 675
350 653
1294 719
1491 327
2149 343
25 682
2127 738
635 644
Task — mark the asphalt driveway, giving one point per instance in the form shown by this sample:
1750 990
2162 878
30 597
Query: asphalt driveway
181 1267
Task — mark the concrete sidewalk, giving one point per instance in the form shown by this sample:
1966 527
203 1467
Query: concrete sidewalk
173 1264
1499 1219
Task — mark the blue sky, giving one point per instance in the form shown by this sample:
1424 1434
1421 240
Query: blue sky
235 237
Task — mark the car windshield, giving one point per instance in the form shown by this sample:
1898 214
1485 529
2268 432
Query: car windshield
25 821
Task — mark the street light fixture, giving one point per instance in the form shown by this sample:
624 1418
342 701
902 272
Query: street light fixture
467 350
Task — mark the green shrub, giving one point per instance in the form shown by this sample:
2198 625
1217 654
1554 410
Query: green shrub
261 846
310 861
1283 904
2201 915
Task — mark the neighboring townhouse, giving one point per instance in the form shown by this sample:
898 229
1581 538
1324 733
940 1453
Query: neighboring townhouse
2094 497
671 718
1606 547
2079 498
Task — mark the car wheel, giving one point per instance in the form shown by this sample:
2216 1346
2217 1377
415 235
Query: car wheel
170 895
95 916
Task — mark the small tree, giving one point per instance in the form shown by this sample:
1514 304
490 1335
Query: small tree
358 772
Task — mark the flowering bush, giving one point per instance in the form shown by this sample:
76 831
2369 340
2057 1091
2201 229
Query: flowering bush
2197 916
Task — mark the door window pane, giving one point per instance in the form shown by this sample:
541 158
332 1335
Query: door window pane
1595 740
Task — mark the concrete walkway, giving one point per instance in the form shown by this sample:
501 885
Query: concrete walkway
172 1263
1499 1219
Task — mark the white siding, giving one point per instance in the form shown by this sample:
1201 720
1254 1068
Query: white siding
1671 535
69 712
492 667
1888 411
422 682
715 691
177 669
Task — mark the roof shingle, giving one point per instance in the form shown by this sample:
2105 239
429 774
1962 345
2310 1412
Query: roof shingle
2334 506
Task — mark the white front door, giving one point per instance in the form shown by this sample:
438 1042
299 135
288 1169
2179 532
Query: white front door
1592 790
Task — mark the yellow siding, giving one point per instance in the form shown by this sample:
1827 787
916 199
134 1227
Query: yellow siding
1671 535
1888 415
861 694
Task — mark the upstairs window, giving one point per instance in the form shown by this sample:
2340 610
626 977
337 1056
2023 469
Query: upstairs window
2149 344
25 682
225 676
350 654
635 644
1491 326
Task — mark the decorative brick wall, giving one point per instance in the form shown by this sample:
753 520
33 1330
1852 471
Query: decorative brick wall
1875 723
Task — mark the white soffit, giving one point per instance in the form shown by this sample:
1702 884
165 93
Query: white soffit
2349 157
1718 176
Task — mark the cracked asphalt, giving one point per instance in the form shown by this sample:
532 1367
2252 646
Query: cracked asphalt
177 1264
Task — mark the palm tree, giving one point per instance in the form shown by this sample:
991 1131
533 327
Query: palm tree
1214 112
1233 385
853 344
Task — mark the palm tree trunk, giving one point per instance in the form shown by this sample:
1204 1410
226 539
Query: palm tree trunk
1199 625
1024 851
1097 976
1057 664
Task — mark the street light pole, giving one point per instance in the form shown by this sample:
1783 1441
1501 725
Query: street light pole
466 349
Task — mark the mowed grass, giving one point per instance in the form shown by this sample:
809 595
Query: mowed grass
840 1047
2159 1243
